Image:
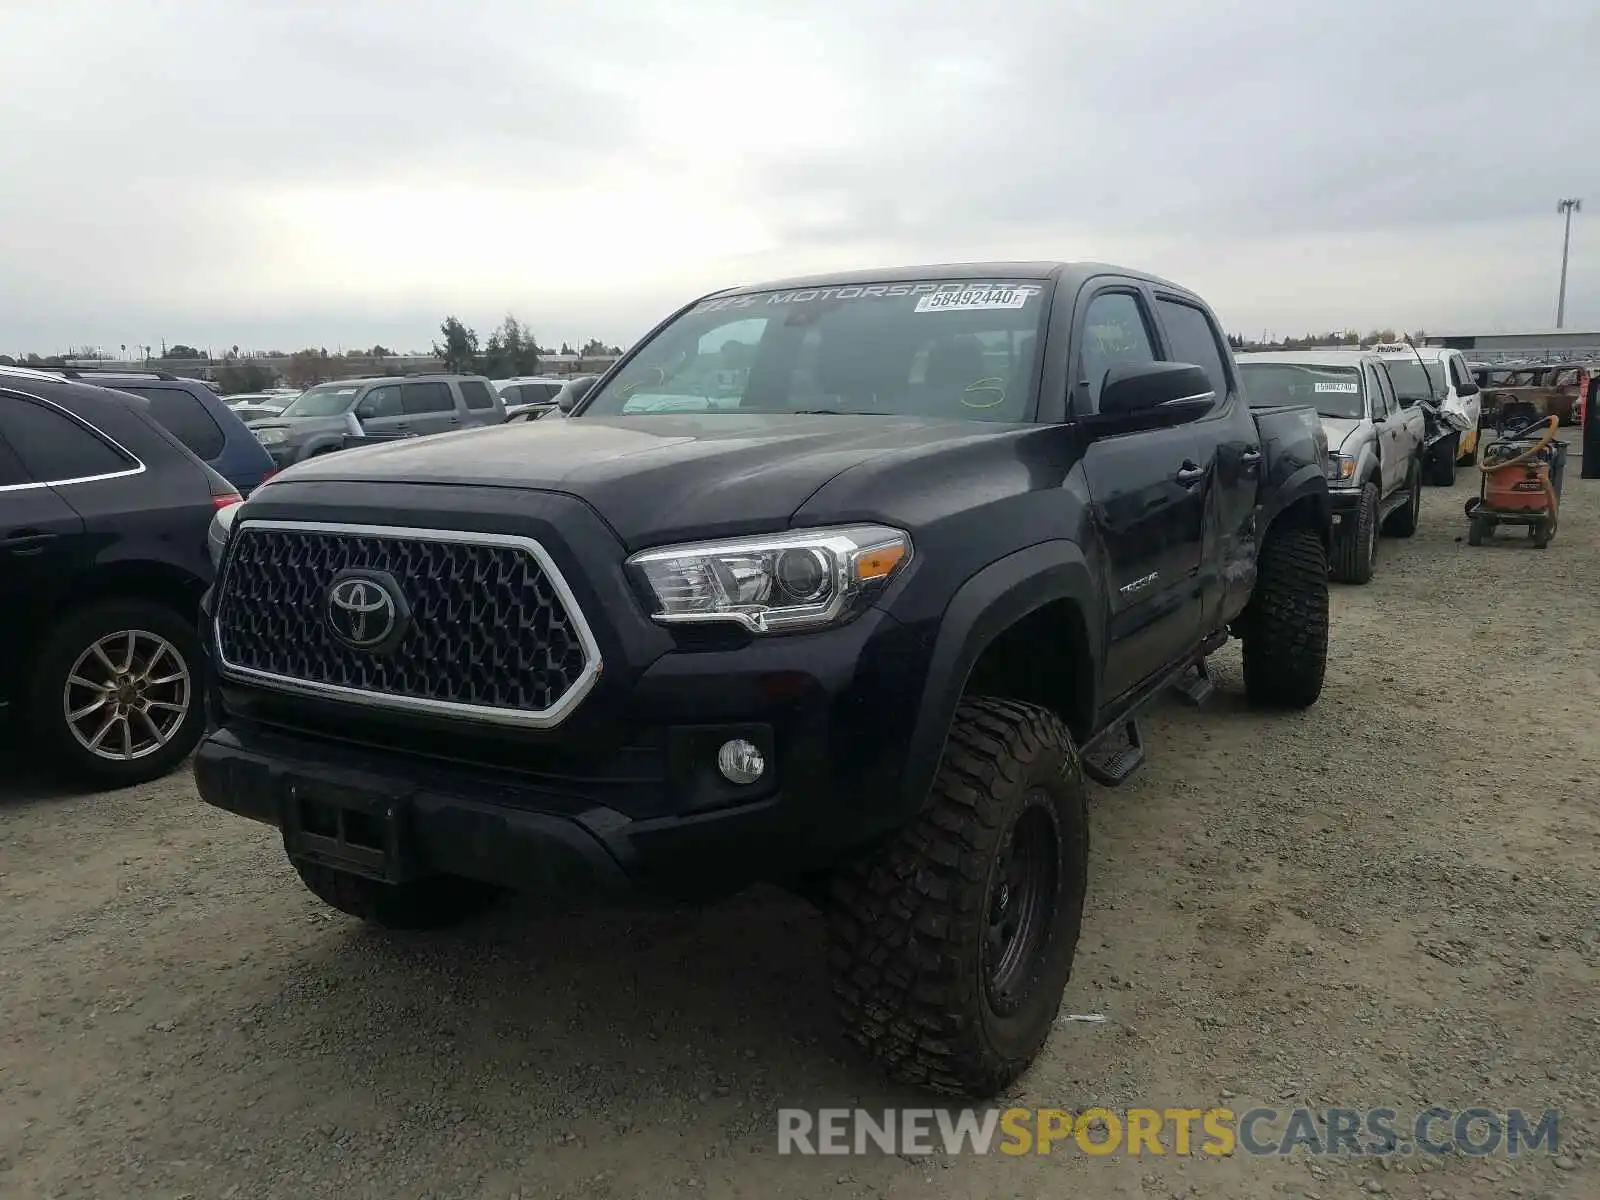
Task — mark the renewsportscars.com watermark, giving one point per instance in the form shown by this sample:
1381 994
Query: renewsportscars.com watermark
1215 1132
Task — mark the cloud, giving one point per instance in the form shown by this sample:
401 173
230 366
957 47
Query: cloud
248 172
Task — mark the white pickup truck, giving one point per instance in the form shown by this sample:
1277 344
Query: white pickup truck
1450 391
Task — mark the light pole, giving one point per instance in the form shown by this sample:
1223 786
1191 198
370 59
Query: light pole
1566 208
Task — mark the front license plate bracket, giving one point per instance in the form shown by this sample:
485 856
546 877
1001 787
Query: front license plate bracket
348 829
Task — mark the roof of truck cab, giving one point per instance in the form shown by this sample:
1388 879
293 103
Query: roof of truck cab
1308 358
1069 273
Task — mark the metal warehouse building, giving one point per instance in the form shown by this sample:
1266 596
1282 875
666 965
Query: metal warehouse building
1557 344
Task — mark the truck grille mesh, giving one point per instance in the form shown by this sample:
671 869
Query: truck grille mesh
487 626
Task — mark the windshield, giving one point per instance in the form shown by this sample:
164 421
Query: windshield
937 348
1333 391
328 400
1411 381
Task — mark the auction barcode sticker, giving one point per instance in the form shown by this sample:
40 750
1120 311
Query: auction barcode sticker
974 299
1348 389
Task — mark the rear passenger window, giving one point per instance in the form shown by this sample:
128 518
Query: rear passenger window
1114 332
184 416
1194 340
419 399
53 447
11 472
476 393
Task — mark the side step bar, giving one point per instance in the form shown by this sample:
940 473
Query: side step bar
1113 758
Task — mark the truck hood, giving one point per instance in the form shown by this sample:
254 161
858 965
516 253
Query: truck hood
1339 429
653 478
300 425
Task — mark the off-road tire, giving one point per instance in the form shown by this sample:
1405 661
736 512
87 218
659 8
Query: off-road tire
435 902
907 924
63 643
1355 547
1285 625
1403 521
1442 470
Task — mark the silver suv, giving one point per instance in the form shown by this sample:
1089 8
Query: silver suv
323 418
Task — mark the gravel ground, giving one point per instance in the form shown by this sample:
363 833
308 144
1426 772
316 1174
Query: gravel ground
1390 900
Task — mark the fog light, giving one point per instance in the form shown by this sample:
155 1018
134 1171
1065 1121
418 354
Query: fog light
740 762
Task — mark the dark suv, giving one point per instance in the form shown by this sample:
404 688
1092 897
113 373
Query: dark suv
845 583
198 417
103 520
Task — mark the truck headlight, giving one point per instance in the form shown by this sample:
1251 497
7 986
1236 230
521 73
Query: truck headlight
271 437
806 579
1340 468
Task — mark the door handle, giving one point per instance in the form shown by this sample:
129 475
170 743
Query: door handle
27 543
1189 474
1249 457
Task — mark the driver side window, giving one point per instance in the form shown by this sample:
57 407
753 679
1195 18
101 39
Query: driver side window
380 402
1114 332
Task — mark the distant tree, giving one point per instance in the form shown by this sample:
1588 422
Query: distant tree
594 348
510 350
567 349
181 351
380 351
238 377
459 351
308 367
7 361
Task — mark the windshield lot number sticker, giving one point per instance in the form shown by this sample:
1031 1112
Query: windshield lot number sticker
1346 389
974 299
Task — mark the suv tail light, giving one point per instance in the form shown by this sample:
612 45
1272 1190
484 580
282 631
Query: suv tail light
223 493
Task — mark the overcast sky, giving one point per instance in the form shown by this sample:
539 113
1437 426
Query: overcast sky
274 174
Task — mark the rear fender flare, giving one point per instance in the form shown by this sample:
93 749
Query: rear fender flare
982 608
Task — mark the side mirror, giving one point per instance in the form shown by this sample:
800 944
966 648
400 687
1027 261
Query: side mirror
1154 394
570 395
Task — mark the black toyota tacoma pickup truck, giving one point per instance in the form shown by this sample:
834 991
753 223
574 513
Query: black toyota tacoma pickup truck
840 583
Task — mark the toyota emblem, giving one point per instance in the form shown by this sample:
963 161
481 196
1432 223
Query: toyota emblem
365 610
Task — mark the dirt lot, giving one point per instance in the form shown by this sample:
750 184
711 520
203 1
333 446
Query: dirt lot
1389 900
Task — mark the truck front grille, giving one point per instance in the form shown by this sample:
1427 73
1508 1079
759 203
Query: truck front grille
485 626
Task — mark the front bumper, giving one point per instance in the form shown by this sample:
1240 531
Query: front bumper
1342 505
632 804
